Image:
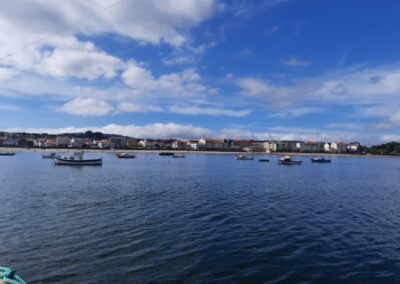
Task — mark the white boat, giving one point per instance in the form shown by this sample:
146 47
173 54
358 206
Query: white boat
244 157
77 160
50 156
178 156
125 156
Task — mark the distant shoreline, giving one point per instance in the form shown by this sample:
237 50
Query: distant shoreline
22 150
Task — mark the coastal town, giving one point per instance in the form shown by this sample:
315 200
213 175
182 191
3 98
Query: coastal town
97 140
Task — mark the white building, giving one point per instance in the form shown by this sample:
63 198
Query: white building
147 144
193 145
334 147
62 141
76 143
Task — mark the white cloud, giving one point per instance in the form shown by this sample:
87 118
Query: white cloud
154 130
363 86
143 20
279 96
395 118
372 92
138 77
297 62
178 60
347 125
87 107
8 107
360 87
131 107
48 45
187 54
6 74
197 110
253 87
390 137
41 36
186 83
81 60
296 112
183 109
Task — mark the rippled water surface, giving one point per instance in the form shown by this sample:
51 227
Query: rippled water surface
202 219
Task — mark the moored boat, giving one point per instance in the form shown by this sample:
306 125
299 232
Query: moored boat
77 160
50 156
178 156
244 157
7 153
125 156
263 160
167 154
320 160
287 160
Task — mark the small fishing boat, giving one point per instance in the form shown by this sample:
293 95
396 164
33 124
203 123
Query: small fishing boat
167 154
178 156
320 160
287 160
125 156
7 153
244 157
263 160
77 160
50 156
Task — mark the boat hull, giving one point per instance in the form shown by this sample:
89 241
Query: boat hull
244 157
166 154
125 156
289 163
7 154
68 162
320 161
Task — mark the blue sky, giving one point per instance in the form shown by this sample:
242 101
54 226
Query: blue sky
273 69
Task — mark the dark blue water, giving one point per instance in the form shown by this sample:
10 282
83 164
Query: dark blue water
202 219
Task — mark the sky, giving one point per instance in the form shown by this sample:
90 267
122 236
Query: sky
241 69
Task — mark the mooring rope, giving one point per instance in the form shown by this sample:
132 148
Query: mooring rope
9 276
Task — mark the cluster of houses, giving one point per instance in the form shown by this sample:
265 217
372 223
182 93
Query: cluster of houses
204 144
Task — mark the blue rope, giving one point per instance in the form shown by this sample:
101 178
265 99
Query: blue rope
10 277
